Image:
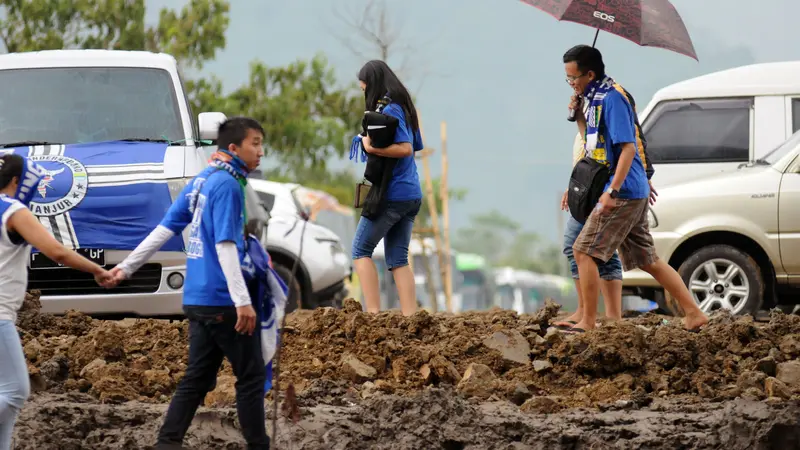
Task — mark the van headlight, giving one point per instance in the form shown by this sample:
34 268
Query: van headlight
652 222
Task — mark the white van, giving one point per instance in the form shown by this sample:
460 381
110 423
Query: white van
718 121
324 264
118 137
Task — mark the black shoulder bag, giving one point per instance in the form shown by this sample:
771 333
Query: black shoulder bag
586 185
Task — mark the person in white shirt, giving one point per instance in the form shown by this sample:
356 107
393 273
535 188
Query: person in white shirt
19 230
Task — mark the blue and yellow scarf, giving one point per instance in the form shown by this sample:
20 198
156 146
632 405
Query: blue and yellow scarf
594 142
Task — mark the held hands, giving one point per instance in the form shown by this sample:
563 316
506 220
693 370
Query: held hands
564 204
111 279
103 277
245 319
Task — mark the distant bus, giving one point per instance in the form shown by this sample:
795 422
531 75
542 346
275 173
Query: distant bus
525 291
477 288
389 299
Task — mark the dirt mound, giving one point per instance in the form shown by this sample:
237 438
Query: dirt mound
330 354
114 361
520 359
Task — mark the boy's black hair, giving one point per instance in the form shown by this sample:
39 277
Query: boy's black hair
234 130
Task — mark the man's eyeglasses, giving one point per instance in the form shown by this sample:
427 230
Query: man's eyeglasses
571 80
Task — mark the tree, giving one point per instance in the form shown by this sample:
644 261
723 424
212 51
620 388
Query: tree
306 119
503 242
371 31
192 36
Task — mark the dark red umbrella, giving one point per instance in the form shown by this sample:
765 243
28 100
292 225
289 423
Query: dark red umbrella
649 23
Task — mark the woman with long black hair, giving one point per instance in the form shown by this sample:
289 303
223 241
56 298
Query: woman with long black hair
402 198
19 230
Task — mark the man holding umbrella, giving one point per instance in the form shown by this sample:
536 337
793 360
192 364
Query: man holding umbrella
620 218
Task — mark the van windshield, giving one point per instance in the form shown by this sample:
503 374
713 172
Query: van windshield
781 150
88 104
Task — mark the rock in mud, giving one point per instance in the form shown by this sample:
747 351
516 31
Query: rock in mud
477 381
751 379
790 345
542 365
767 365
357 370
511 344
776 388
56 369
789 373
445 370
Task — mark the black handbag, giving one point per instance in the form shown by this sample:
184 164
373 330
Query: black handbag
586 185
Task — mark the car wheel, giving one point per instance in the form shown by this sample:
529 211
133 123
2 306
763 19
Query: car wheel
295 292
723 277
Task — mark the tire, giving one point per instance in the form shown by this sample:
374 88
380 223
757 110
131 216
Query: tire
295 289
715 284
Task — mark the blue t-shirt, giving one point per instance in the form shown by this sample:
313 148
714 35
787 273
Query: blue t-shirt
620 129
404 185
218 217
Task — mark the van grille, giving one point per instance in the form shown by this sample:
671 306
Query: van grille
66 281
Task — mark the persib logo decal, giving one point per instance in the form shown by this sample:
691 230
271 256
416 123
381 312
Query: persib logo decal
63 186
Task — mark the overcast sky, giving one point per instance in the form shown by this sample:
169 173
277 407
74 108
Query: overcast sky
492 69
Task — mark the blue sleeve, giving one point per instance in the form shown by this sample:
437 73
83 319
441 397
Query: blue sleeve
402 134
178 216
418 145
226 204
618 118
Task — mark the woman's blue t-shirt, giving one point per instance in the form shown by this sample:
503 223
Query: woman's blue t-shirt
405 179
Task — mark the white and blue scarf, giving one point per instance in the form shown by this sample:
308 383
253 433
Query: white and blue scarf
594 146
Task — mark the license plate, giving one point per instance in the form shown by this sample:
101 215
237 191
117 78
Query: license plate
40 261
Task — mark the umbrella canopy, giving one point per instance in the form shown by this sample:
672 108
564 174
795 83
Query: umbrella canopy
649 23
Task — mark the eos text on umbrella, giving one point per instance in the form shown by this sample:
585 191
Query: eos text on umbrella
603 16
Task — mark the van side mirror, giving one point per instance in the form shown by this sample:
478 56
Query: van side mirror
209 122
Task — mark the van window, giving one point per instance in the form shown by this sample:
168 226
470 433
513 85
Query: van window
699 131
88 104
267 199
795 114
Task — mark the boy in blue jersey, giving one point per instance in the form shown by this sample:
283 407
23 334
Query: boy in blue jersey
216 301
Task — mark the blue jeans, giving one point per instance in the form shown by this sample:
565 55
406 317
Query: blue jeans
14 384
612 270
394 227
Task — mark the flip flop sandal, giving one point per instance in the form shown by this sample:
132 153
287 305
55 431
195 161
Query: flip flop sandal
565 327
574 330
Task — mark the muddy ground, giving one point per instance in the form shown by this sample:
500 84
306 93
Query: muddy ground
487 380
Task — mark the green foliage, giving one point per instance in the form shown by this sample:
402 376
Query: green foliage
306 118
192 36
